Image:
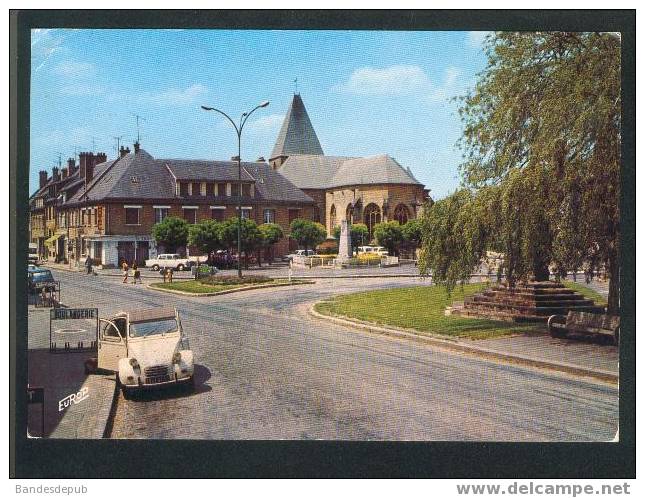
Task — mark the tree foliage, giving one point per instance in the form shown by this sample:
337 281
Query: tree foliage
541 163
389 235
250 234
172 233
206 236
307 233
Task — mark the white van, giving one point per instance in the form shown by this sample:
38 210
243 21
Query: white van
380 250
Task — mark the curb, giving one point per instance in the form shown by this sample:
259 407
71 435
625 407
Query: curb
456 345
220 293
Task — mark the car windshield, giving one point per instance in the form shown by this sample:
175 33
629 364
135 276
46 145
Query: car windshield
153 327
41 276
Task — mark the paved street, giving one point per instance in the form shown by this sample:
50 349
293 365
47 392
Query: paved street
266 370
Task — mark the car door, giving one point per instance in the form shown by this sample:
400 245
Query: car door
112 343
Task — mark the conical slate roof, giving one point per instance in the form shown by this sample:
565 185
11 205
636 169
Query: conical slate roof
297 135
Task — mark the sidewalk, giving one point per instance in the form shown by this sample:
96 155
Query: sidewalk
62 374
573 357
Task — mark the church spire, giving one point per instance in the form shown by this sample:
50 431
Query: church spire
297 135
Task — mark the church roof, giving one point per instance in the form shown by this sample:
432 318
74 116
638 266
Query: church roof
297 135
324 172
371 171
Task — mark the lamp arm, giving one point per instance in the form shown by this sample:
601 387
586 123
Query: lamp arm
237 130
243 122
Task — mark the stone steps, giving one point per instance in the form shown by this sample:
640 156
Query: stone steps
531 302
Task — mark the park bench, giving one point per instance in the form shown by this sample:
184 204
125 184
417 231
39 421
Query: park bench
585 323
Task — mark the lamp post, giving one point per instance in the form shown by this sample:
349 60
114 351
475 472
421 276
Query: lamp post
238 130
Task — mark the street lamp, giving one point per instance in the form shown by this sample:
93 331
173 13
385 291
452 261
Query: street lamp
238 129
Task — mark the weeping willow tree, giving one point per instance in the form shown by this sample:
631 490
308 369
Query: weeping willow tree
541 170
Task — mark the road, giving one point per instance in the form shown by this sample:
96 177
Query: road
266 370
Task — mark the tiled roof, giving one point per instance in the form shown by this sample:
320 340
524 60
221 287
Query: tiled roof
140 176
188 169
370 171
311 171
323 172
272 186
297 135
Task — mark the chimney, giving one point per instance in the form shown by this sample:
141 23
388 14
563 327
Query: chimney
42 178
64 172
55 174
137 146
260 159
101 157
124 151
87 160
71 166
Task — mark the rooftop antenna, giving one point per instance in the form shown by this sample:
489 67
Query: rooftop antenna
295 82
93 144
138 118
60 159
118 143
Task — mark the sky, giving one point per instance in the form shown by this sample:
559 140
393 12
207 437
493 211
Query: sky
366 93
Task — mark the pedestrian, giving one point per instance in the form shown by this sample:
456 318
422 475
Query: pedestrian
88 265
125 272
169 274
137 274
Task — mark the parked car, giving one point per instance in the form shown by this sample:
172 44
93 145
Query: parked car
174 261
39 278
32 256
299 252
380 250
146 348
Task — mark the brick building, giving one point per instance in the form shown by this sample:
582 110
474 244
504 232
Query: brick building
106 209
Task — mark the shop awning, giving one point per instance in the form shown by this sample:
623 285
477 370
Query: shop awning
52 240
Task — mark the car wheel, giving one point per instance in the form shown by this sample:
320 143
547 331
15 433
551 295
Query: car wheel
155 267
180 267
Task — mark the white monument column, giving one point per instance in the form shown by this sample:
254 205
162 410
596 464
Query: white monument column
345 242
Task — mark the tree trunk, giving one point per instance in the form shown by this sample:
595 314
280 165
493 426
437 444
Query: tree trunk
541 271
613 299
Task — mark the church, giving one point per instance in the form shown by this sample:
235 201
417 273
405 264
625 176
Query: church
359 189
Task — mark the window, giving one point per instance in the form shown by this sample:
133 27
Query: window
132 215
221 189
217 214
183 189
190 215
235 189
246 190
196 188
246 213
269 216
211 189
161 213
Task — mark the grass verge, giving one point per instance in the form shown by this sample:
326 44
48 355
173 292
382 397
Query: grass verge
199 287
421 308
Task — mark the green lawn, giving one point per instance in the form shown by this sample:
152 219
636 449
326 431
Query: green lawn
194 286
421 308
586 292
198 287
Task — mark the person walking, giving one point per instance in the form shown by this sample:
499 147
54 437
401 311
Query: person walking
137 273
124 266
88 265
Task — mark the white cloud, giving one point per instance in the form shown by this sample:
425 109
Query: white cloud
401 80
171 96
44 44
267 124
393 80
75 69
475 39
177 96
